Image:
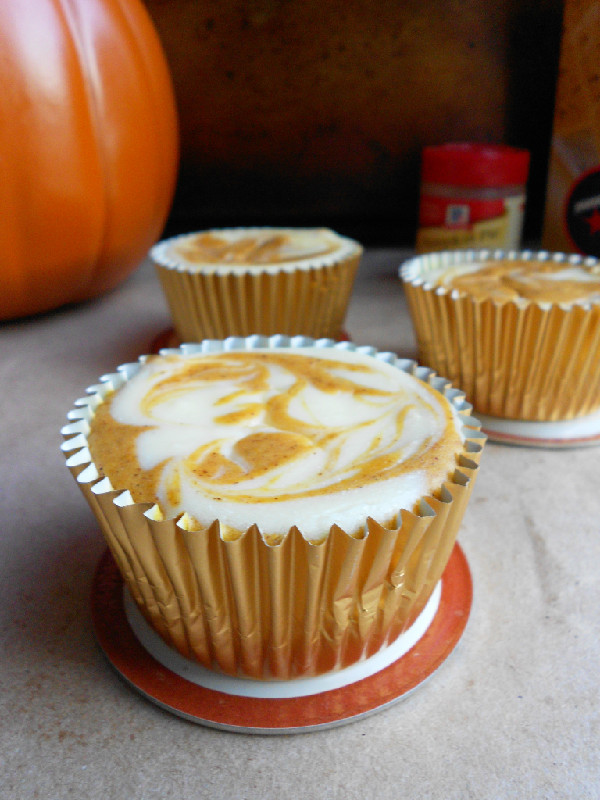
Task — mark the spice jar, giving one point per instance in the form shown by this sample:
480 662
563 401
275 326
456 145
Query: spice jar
472 196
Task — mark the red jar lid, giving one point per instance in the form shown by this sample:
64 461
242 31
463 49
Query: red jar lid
466 164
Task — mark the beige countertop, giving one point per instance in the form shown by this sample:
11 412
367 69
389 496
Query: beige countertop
513 713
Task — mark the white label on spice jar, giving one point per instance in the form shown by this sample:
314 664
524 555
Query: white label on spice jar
450 223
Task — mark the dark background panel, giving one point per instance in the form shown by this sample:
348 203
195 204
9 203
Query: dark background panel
315 112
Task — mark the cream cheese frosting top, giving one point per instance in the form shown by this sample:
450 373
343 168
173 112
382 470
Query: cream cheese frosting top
254 248
307 436
513 279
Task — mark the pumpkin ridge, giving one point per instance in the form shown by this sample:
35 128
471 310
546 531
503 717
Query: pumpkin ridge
90 149
76 30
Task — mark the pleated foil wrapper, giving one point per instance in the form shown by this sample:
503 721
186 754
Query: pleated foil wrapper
310 299
286 607
519 360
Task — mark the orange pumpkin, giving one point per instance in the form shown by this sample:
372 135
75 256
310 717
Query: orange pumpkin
88 148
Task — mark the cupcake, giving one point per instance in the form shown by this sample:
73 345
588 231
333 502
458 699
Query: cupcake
244 281
518 332
277 507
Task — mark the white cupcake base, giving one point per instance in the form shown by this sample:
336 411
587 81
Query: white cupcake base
188 690
276 689
578 432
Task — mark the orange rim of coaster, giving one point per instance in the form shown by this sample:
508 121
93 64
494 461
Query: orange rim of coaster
559 434
240 713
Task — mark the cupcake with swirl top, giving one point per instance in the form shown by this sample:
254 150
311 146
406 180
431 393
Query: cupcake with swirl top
277 507
244 281
518 331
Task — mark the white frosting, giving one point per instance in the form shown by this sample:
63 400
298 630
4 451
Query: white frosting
569 273
301 248
562 279
334 434
444 274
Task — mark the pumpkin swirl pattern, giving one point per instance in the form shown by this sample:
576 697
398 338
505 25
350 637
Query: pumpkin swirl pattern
258 248
540 281
309 437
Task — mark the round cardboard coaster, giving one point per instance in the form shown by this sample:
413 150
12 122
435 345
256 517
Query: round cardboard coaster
285 706
274 688
578 432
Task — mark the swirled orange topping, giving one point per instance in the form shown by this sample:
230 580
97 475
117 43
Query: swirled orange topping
270 246
541 281
308 437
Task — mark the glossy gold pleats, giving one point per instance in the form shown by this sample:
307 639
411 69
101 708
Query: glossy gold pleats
310 302
518 360
289 607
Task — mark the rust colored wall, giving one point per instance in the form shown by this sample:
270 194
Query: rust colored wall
316 111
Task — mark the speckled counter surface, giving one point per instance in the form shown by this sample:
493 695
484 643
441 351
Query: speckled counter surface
513 713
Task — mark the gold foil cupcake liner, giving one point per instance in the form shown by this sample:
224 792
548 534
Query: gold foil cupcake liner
309 300
284 608
519 359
